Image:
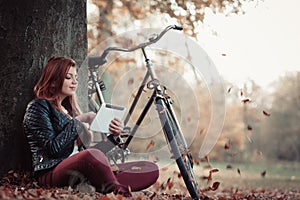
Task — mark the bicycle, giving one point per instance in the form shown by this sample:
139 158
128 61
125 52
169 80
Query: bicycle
171 128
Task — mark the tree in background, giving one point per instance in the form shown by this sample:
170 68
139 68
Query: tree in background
30 32
144 13
281 131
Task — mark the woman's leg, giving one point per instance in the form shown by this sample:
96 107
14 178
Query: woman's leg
138 175
90 163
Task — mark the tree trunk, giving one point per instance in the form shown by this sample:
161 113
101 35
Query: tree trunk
30 32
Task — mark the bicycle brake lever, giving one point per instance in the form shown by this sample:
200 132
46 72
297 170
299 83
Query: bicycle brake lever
179 28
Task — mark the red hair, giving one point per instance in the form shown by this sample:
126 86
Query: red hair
51 82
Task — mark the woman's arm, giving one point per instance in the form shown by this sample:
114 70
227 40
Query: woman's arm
40 124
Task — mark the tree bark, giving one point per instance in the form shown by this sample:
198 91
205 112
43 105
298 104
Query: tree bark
30 32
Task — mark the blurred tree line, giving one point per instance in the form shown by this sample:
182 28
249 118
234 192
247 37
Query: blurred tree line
259 124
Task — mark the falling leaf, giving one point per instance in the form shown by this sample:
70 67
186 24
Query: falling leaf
223 54
249 127
130 81
247 100
229 167
259 153
150 145
205 159
179 175
239 171
229 89
263 174
226 146
189 119
241 93
266 113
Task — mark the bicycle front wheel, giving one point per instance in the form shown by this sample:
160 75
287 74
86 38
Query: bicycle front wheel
178 147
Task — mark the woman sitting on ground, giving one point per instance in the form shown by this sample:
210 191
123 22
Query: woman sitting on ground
58 136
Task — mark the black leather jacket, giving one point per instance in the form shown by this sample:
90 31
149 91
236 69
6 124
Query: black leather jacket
50 134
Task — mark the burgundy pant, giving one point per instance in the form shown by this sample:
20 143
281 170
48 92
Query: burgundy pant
93 165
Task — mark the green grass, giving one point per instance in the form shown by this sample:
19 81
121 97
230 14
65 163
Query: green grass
279 175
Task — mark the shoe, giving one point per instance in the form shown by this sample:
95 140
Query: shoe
123 190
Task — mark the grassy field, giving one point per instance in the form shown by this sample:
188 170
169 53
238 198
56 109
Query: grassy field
277 175
248 178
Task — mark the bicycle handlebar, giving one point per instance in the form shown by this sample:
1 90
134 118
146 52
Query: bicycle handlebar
100 60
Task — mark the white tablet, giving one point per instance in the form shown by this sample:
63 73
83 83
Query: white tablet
106 113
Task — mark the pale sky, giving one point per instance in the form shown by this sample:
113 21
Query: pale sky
261 45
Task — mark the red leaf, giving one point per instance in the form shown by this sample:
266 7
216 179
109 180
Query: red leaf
150 145
170 184
104 198
189 119
197 161
226 146
249 127
213 171
205 159
215 186
130 81
266 113
179 175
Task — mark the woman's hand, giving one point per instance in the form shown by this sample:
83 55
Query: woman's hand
86 117
116 127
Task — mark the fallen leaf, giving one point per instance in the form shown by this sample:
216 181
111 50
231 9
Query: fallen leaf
215 186
213 171
104 198
266 113
263 174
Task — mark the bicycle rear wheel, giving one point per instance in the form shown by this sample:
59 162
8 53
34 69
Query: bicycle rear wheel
178 147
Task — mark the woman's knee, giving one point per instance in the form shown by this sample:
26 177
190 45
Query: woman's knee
94 156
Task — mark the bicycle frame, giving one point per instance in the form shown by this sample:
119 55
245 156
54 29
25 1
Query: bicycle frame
169 122
95 62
